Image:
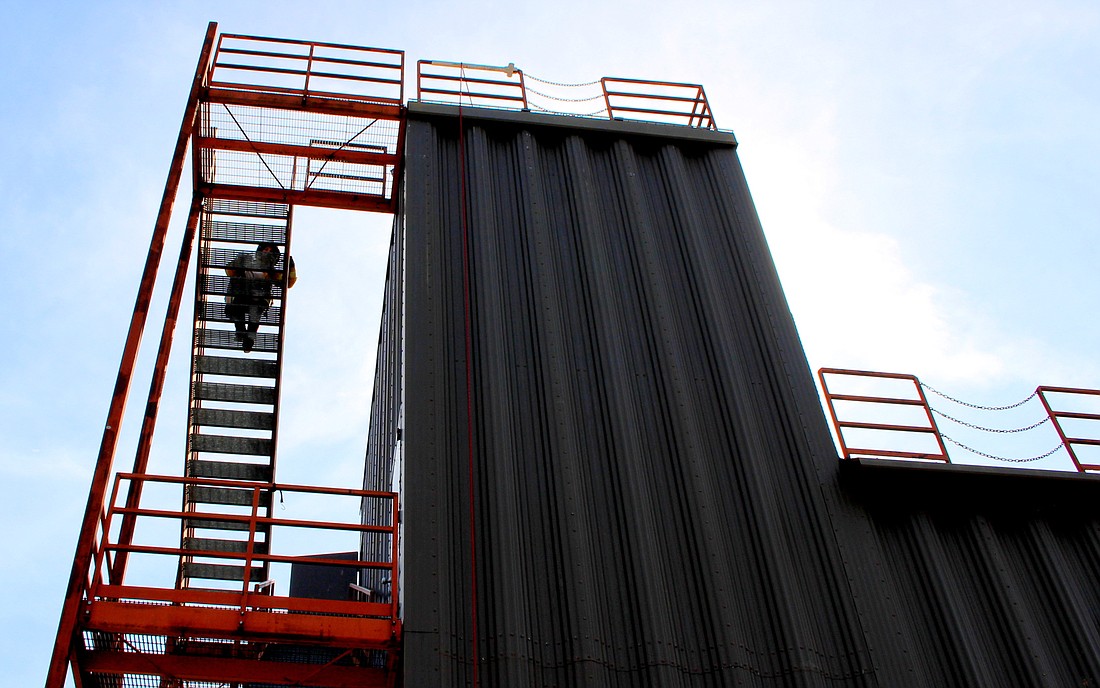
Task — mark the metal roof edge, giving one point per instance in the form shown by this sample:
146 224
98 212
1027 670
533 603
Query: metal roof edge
886 464
618 126
908 484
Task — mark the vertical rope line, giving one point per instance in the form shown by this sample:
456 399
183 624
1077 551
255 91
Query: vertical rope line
469 395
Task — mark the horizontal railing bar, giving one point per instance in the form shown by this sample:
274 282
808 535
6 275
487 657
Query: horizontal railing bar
649 111
1070 390
280 98
1076 415
1083 440
470 94
347 155
293 41
231 599
472 80
301 72
672 84
260 520
877 400
355 77
885 426
867 373
312 489
897 454
256 557
657 96
307 58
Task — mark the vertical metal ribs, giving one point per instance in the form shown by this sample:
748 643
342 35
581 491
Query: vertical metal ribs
233 416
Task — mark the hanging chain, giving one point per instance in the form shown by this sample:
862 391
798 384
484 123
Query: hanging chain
1000 458
535 106
527 75
985 429
565 100
978 406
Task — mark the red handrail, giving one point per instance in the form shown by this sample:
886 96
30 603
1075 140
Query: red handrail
279 65
449 82
1056 417
663 101
840 424
251 556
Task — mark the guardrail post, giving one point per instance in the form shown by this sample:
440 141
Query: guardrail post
1041 392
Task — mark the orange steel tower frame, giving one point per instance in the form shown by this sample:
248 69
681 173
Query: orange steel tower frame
272 124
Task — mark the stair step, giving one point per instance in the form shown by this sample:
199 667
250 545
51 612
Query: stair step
219 572
228 496
222 418
223 206
218 258
215 524
195 544
229 470
247 394
218 283
214 311
245 232
227 339
226 444
239 367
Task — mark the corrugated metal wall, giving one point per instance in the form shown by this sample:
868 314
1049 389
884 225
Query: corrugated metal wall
383 439
656 499
973 579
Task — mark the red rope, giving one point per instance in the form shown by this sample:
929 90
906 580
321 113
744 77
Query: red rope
469 396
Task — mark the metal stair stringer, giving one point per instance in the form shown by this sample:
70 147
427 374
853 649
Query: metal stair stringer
234 402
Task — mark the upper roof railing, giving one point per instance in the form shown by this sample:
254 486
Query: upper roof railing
657 101
507 87
450 82
308 68
888 415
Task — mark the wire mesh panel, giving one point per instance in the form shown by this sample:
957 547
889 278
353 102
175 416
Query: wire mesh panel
287 150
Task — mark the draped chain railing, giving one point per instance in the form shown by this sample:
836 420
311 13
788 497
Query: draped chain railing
888 415
508 87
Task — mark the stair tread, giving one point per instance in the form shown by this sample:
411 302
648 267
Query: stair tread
197 544
218 283
229 470
219 571
215 524
214 311
226 496
227 444
226 206
227 339
225 391
237 367
228 418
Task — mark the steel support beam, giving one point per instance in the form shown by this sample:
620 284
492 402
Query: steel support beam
322 199
228 670
253 625
156 387
101 476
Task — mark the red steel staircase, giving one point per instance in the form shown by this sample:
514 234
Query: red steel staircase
272 124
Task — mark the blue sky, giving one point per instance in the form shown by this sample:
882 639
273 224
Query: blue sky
926 177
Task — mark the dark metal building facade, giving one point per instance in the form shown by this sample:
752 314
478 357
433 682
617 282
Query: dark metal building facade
616 471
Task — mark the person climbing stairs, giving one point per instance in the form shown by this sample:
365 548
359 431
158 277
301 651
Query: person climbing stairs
234 397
